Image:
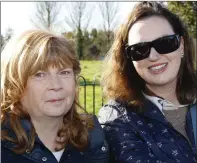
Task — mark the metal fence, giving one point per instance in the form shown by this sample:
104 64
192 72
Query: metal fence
93 85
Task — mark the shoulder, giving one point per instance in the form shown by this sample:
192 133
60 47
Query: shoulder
119 116
111 111
193 105
9 156
98 144
96 134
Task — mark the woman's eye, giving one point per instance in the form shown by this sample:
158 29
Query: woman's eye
65 72
39 74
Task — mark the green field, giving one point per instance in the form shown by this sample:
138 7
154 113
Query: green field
91 71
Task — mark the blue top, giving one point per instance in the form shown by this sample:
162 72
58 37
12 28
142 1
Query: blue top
97 152
146 136
193 115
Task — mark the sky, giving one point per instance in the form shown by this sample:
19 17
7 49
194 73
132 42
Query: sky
16 15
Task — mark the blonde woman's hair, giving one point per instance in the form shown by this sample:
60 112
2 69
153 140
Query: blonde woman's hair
22 57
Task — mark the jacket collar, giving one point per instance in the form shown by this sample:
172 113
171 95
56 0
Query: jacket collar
152 111
26 125
160 102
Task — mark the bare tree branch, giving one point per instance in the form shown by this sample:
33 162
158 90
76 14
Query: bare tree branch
109 11
78 15
78 19
46 15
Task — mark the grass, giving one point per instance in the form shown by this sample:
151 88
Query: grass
91 71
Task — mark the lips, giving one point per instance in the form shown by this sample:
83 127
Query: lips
54 100
158 68
156 65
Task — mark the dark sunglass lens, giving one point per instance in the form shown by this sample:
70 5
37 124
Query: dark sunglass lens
139 51
166 44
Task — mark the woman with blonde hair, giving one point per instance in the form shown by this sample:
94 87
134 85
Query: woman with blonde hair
150 79
40 119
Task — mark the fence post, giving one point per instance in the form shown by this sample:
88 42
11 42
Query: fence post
84 88
93 86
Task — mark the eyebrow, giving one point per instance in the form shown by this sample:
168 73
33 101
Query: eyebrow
60 69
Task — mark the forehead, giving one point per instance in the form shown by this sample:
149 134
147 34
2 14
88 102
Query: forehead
55 65
149 29
54 68
44 62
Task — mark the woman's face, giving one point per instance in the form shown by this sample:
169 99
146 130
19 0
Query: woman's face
157 69
49 93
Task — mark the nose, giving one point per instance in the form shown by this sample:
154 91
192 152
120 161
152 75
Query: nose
55 83
154 55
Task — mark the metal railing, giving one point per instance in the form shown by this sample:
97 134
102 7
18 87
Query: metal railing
84 84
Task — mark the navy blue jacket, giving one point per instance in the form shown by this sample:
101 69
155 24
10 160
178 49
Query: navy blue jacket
97 151
146 136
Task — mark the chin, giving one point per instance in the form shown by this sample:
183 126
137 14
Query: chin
158 82
56 113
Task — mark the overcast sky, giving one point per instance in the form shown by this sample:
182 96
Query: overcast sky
16 15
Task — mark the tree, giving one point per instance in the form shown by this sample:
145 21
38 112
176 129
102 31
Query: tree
69 35
94 43
109 12
94 33
94 51
2 42
87 39
46 15
187 11
8 34
78 19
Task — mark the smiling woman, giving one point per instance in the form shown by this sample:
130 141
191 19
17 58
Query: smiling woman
39 104
150 80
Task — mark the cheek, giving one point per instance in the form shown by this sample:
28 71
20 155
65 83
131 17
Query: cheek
31 98
175 60
140 67
69 85
26 102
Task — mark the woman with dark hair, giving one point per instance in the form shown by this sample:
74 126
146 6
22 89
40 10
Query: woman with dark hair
42 120
149 79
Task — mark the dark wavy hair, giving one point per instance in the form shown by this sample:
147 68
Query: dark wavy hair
120 79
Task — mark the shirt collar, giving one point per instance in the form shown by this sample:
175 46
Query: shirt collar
155 100
160 103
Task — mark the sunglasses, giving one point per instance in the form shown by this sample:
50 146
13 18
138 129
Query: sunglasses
162 45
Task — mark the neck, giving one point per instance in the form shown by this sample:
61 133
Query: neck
167 91
47 130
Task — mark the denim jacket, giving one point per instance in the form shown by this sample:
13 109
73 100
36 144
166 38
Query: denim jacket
145 137
97 151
